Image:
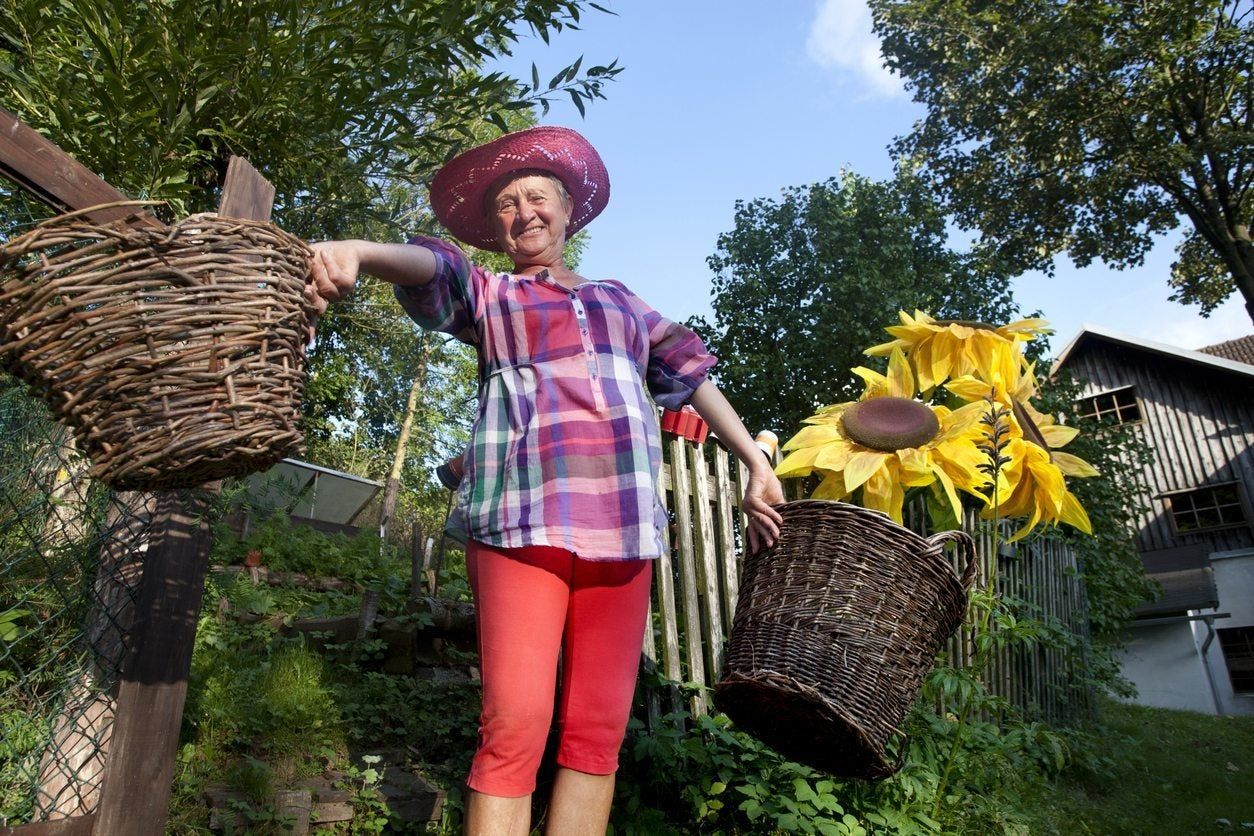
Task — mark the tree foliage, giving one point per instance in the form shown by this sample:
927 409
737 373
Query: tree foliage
1088 127
804 284
331 100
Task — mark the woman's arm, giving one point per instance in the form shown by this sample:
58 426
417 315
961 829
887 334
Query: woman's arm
764 489
336 265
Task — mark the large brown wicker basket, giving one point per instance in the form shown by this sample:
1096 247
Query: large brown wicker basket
836 626
177 355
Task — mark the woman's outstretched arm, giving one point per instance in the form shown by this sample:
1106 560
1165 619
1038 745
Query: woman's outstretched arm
764 489
336 265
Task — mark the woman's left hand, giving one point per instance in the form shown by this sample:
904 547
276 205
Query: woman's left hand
763 491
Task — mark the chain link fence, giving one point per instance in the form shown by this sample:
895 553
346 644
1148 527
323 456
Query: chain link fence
71 559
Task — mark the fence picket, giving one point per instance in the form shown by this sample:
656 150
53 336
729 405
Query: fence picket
726 504
693 638
664 583
706 552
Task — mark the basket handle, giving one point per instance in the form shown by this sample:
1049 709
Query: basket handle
966 549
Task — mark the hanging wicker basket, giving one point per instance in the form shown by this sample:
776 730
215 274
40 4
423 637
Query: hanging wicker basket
176 355
836 625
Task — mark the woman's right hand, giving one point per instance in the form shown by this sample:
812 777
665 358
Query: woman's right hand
333 272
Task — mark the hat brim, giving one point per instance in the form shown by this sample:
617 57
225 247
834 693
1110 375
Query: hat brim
459 188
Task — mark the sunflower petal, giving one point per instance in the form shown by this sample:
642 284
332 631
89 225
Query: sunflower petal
883 492
877 385
861 465
951 494
1073 514
915 467
900 378
1072 465
813 436
834 455
832 487
968 388
1057 435
798 463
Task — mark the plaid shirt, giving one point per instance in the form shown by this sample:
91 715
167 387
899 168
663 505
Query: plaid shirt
565 450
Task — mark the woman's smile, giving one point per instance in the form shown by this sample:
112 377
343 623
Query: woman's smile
531 216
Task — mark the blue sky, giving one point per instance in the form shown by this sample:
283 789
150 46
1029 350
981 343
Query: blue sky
723 101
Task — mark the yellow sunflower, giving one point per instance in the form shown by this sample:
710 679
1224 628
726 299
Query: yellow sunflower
1032 486
1032 483
948 348
886 442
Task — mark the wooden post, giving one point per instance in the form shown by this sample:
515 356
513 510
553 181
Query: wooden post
135 796
245 193
417 557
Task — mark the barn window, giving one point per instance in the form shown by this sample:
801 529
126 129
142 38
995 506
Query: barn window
1215 506
1118 406
1238 647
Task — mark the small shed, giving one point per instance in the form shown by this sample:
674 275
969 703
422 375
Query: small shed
330 501
1193 646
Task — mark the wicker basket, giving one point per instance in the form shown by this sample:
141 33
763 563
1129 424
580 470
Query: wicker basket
177 356
835 628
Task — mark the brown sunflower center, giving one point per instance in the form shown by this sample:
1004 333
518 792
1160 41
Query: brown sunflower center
890 423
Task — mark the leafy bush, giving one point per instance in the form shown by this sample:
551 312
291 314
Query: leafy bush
364 559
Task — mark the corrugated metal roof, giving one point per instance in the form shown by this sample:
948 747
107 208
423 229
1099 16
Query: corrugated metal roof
1241 349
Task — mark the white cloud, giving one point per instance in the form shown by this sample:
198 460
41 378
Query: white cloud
841 39
1188 330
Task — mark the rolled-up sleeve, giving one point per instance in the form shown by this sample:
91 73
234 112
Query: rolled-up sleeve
449 302
678 360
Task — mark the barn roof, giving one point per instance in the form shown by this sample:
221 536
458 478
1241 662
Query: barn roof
1241 349
1209 356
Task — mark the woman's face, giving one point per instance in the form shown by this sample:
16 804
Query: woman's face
530 218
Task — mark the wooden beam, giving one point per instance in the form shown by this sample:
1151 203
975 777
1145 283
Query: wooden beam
77 826
245 193
135 797
54 177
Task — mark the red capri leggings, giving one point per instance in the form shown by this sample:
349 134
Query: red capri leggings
530 603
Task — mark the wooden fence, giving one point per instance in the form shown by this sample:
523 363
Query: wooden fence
695 588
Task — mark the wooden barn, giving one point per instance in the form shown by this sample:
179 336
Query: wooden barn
1192 647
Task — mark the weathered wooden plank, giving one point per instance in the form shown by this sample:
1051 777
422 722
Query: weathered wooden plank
77 826
726 508
742 481
136 791
706 551
648 665
688 572
55 178
664 584
245 193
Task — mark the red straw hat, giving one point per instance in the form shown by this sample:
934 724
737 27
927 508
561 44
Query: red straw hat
458 189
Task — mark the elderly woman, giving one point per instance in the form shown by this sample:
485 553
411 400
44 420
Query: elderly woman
559 503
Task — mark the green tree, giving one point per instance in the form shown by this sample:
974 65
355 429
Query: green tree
1088 127
332 101
804 284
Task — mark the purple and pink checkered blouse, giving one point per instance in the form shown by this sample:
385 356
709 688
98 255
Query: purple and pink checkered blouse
565 450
